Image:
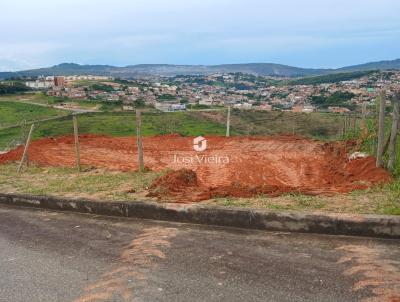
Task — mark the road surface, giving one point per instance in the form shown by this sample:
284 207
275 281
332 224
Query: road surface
53 256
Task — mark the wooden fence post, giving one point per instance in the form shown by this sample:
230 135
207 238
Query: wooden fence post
139 139
348 127
228 122
77 146
364 113
376 125
293 125
23 138
25 154
394 132
344 126
381 131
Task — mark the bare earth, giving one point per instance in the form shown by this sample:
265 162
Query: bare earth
236 166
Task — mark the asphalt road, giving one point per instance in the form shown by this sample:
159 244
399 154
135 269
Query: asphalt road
53 256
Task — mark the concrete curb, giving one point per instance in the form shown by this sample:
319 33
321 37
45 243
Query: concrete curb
334 224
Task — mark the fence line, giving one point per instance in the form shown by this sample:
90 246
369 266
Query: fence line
38 121
149 123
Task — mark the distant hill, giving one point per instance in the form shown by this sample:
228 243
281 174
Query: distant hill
264 69
132 71
269 69
381 65
330 78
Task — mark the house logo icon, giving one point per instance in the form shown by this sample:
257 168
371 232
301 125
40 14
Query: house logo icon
199 144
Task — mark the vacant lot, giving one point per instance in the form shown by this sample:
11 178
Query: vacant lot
14 113
289 169
229 167
103 184
41 99
31 97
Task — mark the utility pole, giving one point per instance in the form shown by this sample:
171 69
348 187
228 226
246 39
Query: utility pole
139 139
381 130
228 122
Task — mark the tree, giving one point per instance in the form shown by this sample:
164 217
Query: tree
12 88
139 103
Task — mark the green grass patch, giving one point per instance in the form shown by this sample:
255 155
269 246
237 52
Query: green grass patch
391 191
296 202
43 99
79 83
119 124
378 200
32 97
12 113
330 78
325 126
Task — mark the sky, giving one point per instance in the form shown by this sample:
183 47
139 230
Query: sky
303 33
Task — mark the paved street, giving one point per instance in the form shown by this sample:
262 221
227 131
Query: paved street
52 256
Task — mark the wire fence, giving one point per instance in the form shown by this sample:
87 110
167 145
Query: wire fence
323 126
243 123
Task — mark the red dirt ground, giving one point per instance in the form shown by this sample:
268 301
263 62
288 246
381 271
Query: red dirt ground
270 165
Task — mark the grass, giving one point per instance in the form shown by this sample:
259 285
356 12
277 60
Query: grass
378 200
119 124
31 97
118 185
98 183
392 195
103 184
124 124
42 99
79 83
12 113
324 126
316 125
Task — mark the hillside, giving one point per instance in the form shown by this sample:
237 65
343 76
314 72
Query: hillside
382 65
330 78
131 71
265 69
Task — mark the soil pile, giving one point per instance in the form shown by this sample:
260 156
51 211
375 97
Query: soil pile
180 186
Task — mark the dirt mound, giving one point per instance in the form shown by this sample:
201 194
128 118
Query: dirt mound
180 185
179 179
235 166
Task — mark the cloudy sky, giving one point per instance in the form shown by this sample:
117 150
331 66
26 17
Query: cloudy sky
304 33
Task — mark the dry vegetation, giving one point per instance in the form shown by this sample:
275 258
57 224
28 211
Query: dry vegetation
91 183
102 184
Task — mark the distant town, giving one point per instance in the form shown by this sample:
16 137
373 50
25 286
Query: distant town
330 93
